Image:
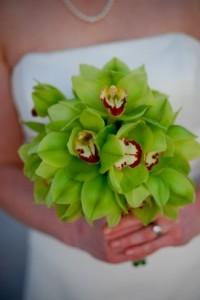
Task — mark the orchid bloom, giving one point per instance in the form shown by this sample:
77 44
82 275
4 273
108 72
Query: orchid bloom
132 154
114 99
151 159
85 147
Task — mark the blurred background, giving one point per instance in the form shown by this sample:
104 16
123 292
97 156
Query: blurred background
13 255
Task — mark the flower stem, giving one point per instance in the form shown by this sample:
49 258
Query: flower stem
139 262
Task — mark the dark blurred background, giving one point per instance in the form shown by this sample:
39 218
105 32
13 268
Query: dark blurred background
13 255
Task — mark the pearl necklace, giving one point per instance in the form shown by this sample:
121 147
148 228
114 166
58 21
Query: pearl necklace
91 19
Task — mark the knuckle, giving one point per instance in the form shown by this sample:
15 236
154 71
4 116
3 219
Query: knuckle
177 236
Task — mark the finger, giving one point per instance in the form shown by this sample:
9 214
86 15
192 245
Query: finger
135 238
143 250
127 224
141 236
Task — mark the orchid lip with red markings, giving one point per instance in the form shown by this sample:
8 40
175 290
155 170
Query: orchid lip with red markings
114 99
151 159
86 148
132 154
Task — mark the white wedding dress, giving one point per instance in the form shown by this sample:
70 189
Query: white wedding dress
59 272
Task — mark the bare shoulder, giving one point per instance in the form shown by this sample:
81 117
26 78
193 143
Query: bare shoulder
19 25
9 126
10 132
193 15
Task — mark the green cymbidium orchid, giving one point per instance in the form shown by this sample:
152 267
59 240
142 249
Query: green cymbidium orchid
114 91
111 150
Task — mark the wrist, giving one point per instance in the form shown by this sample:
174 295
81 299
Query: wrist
197 208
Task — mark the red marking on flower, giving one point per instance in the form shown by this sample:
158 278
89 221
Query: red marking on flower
151 159
132 154
114 99
86 148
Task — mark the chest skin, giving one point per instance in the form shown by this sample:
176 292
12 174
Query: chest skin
31 26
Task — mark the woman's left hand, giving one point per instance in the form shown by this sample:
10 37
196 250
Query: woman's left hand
135 241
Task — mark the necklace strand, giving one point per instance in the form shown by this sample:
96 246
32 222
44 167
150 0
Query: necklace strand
91 19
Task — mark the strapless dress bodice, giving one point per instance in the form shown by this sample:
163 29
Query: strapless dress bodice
172 62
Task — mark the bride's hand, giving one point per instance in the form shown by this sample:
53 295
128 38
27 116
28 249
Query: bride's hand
135 241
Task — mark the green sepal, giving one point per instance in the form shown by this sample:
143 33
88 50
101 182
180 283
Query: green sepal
80 170
114 179
102 135
41 189
171 212
35 126
65 190
179 184
88 91
169 151
135 83
137 113
179 201
88 71
179 163
45 171
53 149
65 111
179 133
91 120
159 189
70 125
31 161
137 195
56 126
115 214
122 203
189 148
23 151
127 179
108 78
61 210
161 110
95 204
110 153
148 212
133 177
117 65
159 140
184 141
30 148
68 213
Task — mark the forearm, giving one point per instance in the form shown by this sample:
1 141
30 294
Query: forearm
197 208
17 200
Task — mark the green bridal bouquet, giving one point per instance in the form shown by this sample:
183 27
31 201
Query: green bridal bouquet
113 149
